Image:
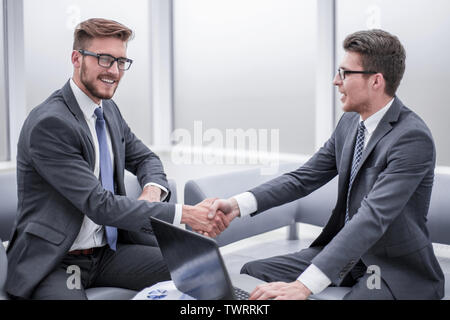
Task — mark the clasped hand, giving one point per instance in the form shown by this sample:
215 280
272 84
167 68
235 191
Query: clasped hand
209 217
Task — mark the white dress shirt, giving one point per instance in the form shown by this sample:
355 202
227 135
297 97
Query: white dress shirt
313 278
92 235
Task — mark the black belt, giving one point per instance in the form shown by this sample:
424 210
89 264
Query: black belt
84 252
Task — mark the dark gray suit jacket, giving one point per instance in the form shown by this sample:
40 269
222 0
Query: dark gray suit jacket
57 187
389 202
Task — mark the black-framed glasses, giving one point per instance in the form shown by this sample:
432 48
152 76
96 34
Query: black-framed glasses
107 60
342 73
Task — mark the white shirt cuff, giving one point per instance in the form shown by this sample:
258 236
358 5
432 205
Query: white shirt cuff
247 203
314 279
164 191
178 213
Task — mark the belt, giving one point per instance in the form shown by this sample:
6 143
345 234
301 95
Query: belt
84 252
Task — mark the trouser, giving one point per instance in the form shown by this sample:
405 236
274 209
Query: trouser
287 268
131 267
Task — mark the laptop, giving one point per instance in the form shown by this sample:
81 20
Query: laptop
197 267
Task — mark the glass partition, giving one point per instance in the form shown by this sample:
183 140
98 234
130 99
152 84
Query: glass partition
246 65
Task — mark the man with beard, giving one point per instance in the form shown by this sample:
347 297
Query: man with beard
73 213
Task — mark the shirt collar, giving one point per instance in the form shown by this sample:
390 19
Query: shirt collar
371 122
86 104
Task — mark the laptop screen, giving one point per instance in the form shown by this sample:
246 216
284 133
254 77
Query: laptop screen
194 262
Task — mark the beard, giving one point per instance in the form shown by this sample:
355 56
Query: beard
92 88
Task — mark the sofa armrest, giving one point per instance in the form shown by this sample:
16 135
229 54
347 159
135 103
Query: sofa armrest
3 271
316 208
8 202
438 214
134 189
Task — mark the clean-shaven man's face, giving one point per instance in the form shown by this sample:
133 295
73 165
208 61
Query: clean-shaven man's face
98 82
355 88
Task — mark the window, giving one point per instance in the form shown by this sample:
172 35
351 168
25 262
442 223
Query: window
247 65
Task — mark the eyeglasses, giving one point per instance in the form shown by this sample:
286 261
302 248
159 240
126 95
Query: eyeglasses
343 72
107 60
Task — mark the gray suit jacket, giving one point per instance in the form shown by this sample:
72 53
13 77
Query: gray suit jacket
389 202
57 187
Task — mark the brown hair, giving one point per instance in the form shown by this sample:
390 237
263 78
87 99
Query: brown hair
380 52
99 28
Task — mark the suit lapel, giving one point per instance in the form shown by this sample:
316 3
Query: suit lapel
116 139
347 157
75 109
383 128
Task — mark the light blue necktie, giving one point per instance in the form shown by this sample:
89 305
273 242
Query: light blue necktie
357 154
106 170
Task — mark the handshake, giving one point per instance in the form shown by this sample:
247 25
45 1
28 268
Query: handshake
211 216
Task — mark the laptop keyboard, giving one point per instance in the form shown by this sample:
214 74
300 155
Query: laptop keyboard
241 294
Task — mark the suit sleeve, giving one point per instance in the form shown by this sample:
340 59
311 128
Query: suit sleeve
56 151
319 170
409 160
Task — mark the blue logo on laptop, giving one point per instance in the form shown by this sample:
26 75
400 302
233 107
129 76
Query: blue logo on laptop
157 294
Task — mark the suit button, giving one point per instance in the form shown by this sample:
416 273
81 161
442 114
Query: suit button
341 275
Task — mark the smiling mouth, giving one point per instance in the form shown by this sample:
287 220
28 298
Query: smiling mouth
108 81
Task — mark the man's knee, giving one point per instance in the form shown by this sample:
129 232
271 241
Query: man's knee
246 268
250 268
256 269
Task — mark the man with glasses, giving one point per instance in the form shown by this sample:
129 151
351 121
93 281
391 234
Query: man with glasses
384 156
76 229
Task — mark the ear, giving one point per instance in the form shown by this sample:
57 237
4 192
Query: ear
76 59
378 82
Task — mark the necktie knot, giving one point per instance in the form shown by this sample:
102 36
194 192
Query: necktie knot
99 113
361 127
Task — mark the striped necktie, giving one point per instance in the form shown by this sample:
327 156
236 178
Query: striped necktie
357 154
